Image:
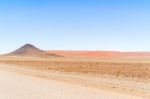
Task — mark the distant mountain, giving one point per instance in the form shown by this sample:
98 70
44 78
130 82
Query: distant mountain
101 54
30 50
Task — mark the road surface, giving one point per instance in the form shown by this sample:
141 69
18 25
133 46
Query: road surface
18 86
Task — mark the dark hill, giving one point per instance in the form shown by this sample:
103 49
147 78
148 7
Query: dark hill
30 50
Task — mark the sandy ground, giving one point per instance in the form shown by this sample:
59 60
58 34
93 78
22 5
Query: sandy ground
17 83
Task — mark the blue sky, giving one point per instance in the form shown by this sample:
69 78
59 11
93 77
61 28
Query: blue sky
122 25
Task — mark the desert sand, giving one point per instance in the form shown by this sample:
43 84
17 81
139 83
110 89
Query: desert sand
100 54
16 85
31 73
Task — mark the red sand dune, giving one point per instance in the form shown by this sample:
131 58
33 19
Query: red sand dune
101 54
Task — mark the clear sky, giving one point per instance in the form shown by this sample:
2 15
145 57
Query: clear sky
122 25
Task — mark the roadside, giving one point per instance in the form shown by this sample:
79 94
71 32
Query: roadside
107 83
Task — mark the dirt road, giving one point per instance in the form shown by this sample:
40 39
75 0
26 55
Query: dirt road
18 86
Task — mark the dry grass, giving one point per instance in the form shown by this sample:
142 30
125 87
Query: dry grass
125 68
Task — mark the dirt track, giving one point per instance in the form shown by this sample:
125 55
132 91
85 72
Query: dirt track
15 85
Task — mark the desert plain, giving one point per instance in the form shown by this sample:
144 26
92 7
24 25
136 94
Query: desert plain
25 75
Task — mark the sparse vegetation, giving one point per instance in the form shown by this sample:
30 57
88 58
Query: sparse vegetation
124 69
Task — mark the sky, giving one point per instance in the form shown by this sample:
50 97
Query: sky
118 25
